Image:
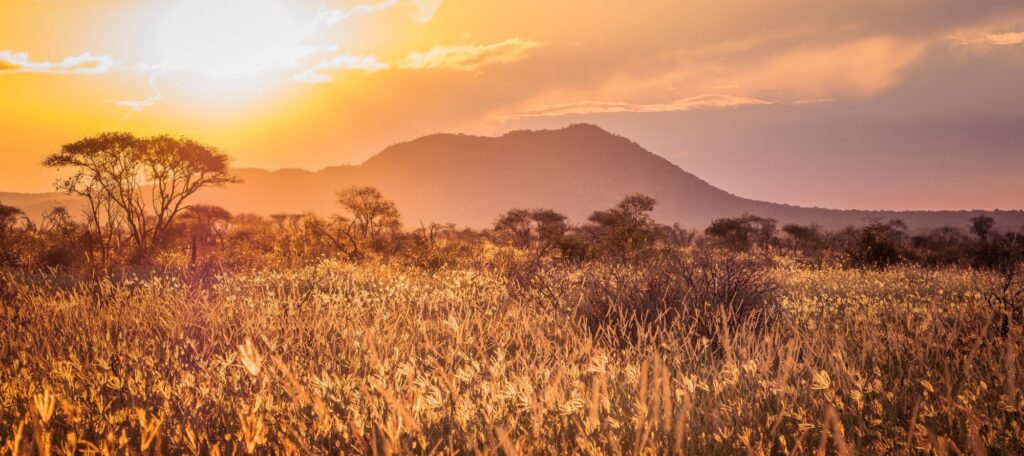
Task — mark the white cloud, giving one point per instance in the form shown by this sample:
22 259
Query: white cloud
349 61
85 63
469 57
333 17
346 61
312 77
419 10
423 10
139 105
603 107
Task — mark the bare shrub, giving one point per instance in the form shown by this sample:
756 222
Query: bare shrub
702 290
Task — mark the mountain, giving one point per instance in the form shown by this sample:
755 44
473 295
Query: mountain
470 180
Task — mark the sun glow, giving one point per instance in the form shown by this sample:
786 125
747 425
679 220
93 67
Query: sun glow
231 39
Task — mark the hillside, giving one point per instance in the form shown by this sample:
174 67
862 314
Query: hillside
469 180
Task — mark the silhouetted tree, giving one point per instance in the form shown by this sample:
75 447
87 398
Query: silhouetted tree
981 226
941 246
64 239
372 215
805 238
677 235
879 244
202 223
142 182
371 223
10 236
625 231
537 230
741 233
9 217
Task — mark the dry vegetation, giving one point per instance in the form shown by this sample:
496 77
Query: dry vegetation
506 355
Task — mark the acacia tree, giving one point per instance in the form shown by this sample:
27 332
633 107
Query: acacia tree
142 183
536 230
625 231
741 233
372 215
804 238
370 220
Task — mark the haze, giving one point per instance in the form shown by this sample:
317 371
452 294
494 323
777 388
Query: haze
896 104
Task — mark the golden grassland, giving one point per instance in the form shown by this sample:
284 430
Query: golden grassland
380 358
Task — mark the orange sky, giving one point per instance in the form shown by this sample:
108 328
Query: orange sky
719 87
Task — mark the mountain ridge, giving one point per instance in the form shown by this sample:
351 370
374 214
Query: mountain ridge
469 180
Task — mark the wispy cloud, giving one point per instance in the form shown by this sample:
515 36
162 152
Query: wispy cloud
1006 39
423 10
346 61
85 63
310 76
604 107
469 57
333 17
139 105
420 10
990 39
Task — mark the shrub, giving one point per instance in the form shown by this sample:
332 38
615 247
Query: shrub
701 290
878 245
624 232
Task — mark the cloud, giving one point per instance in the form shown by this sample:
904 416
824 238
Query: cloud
312 77
420 11
423 10
283 44
469 57
604 107
333 17
1006 39
991 39
346 61
85 63
139 105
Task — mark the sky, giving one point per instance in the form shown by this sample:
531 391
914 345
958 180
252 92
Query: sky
873 104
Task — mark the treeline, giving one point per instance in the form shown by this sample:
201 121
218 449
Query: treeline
877 244
138 193
369 225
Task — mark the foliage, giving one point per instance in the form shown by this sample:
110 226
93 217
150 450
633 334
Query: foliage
742 233
136 187
626 231
539 230
879 244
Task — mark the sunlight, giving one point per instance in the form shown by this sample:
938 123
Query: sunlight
230 39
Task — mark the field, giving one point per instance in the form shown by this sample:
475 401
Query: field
381 358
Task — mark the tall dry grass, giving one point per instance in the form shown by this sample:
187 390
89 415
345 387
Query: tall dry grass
381 359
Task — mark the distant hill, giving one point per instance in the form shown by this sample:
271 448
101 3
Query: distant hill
470 180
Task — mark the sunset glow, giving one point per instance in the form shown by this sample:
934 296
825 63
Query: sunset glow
722 89
511 227
231 39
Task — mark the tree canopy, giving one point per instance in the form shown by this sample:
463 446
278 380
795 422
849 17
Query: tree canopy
136 183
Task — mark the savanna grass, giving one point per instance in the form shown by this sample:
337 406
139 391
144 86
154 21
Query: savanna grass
382 358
